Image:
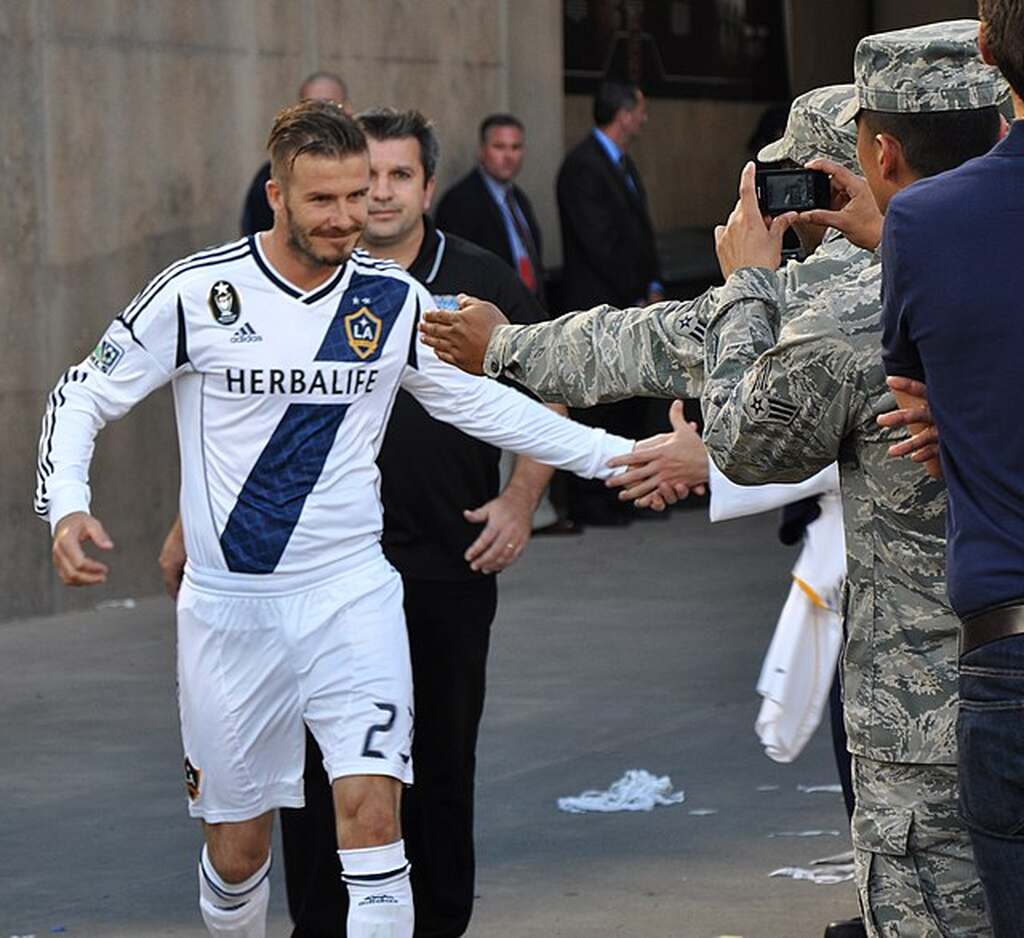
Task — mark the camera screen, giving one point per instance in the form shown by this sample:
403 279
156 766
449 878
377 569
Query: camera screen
794 191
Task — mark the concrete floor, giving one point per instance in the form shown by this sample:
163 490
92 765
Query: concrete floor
623 648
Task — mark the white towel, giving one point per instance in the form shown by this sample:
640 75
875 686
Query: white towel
800 664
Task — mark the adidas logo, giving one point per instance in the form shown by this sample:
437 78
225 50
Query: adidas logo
247 334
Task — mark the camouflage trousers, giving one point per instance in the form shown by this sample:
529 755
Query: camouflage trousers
914 863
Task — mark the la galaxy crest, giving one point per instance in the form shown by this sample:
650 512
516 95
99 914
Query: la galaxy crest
363 330
225 303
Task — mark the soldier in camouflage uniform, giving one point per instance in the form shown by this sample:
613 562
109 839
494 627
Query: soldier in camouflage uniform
792 387
605 354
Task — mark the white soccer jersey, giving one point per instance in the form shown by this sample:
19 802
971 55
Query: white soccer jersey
282 397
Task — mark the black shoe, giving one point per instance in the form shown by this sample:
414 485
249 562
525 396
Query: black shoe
851 928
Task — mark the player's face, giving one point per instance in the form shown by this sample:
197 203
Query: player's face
325 207
501 153
399 194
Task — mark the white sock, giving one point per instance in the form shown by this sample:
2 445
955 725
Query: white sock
234 910
379 892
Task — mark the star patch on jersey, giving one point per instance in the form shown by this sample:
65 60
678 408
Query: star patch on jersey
363 331
106 356
225 303
193 778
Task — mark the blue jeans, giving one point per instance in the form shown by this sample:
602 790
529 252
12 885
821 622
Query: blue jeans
990 734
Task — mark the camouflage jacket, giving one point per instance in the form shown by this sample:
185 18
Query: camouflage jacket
607 354
781 404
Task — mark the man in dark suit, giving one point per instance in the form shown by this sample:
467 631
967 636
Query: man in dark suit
607 234
609 256
489 209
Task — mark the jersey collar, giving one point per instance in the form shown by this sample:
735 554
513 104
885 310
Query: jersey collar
307 297
431 253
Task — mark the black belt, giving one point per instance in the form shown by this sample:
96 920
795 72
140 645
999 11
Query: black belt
990 626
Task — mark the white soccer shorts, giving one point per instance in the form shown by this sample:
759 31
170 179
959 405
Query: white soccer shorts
252 669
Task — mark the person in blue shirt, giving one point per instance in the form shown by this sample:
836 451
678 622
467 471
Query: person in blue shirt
952 317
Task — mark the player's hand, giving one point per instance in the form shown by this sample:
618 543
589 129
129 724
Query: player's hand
914 413
663 468
747 239
75 566
858 218
172 559
508 523
461 338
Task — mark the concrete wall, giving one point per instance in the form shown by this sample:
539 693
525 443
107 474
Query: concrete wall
131 130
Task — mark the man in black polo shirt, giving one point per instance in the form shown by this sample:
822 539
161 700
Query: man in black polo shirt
438 487
952 317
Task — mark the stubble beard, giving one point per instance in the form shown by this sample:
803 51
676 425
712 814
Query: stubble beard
301 243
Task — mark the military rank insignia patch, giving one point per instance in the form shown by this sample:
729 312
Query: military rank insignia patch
225 303
763 406
363 331
106 355
192 779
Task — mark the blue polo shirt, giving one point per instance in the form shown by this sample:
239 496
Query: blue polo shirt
953 315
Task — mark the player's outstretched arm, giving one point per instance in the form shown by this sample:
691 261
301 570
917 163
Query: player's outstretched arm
75 566
509 419
585 358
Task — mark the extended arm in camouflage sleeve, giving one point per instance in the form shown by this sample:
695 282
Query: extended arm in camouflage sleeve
776 407
606 354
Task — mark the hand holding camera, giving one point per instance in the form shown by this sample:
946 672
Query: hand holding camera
748 239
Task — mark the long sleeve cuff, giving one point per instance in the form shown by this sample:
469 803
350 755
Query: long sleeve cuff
497 349
72 496
749 283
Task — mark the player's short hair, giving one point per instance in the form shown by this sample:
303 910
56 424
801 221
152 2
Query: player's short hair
386 123
499 120
1004 35
319 128
612 97
936 141
321 75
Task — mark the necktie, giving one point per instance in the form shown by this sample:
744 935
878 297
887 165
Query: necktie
529 265
626 174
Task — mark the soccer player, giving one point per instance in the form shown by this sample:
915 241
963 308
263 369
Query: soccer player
285 351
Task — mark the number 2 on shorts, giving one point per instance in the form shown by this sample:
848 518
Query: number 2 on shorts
392 713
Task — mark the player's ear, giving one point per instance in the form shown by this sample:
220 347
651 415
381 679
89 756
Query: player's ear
275 197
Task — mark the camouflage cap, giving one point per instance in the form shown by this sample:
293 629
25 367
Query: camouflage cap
928 68
812 131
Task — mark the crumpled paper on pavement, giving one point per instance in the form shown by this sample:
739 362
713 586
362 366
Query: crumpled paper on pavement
828 871
637 790
820 876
